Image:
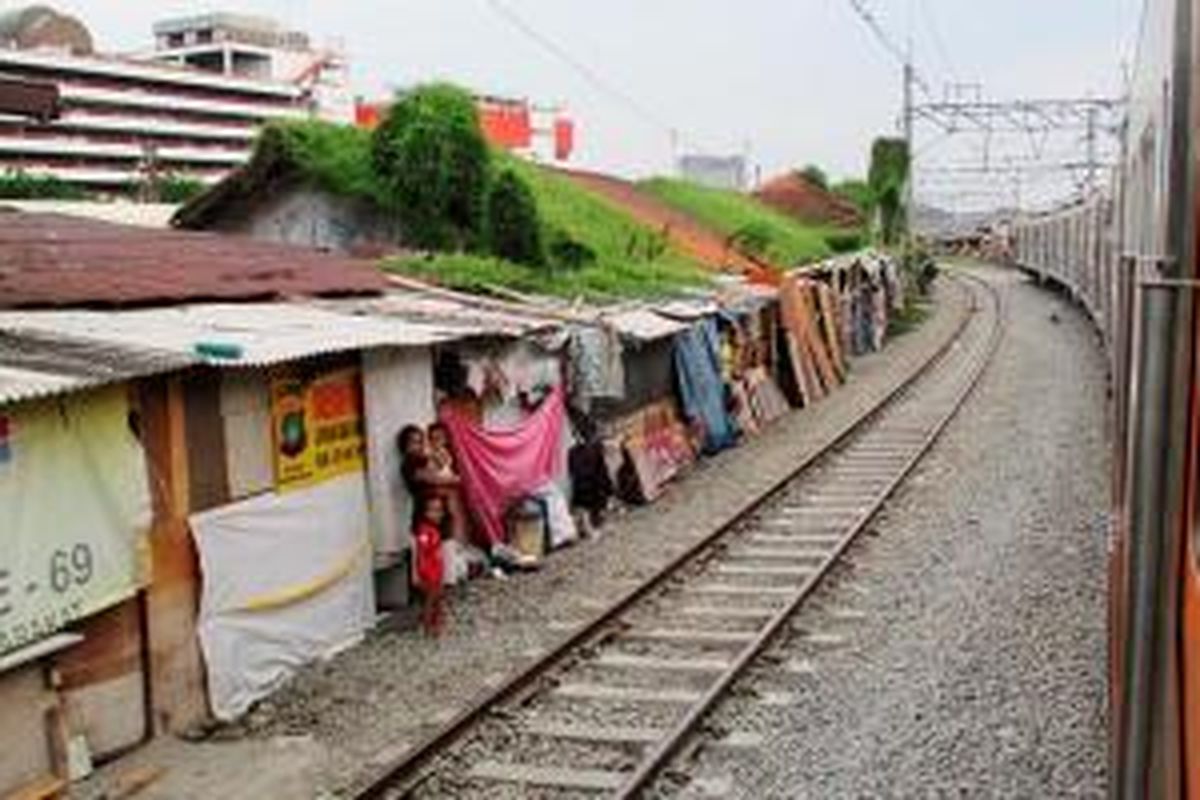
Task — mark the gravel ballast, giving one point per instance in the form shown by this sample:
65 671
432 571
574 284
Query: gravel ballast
975 661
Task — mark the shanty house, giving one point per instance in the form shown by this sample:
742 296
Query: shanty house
205 416
297 190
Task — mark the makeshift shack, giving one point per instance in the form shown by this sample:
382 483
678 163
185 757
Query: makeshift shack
866 290
749 323
204 552
284 195
649 443
70 573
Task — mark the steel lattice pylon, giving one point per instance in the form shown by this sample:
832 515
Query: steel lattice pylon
1040 149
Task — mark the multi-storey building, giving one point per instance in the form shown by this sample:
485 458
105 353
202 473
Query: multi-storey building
188 108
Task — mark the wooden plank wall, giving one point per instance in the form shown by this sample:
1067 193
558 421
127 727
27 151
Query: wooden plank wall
177 687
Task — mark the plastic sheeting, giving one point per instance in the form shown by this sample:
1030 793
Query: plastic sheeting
287 580
500 465
74 509
701 390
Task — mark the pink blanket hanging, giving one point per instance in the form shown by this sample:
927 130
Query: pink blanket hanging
501 465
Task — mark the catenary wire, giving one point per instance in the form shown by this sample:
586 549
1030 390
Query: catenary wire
586 72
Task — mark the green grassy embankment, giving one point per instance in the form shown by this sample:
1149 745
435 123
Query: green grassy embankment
765 232
629 260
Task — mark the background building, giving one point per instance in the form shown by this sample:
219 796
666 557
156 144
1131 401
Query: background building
189 108
717 172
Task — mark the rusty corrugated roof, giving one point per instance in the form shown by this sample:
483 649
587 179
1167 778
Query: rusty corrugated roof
52 260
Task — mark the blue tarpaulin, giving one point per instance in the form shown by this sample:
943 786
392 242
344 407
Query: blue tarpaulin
701 390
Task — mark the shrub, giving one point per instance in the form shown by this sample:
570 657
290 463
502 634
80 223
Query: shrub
178 189
432 162
20 185
889 174
844 241
568 253
514 230
816 176
857 192
335 157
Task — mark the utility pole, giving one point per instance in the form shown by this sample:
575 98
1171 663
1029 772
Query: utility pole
911 179
910 182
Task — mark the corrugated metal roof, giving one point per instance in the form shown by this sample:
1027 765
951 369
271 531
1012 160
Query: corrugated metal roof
49 352
458 315
54 260
259 333
688 309
644 325
36 363
24 384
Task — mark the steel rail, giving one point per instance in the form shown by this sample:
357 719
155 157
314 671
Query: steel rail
679 734
403 774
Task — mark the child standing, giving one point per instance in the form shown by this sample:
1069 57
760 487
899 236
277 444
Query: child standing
429 571
447 481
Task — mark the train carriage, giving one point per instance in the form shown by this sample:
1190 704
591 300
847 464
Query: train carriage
1129 256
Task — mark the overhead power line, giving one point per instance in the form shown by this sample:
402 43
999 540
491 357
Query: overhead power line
585 71
885 40
935 33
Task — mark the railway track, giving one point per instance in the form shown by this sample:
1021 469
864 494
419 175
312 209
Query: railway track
605 712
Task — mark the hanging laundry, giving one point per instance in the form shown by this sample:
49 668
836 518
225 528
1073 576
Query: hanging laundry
701 391
500 465
597 366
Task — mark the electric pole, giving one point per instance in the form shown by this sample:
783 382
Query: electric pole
910 178
910 181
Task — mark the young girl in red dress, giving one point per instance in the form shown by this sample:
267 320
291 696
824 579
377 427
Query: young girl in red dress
429 571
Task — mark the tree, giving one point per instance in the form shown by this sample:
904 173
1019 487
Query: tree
816 176
857 192
432 162
514 230
887 179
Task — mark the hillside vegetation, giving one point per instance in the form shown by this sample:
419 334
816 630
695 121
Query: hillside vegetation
750 225
608 254
595 250
567 242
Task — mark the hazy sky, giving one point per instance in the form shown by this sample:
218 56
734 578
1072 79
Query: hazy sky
796 80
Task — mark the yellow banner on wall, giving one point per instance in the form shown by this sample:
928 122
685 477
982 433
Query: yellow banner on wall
74 510
317 425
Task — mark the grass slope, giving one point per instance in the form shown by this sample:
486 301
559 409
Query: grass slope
727 212
482 274
628 264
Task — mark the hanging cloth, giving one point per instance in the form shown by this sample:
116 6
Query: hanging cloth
596 365
701 390
498 466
